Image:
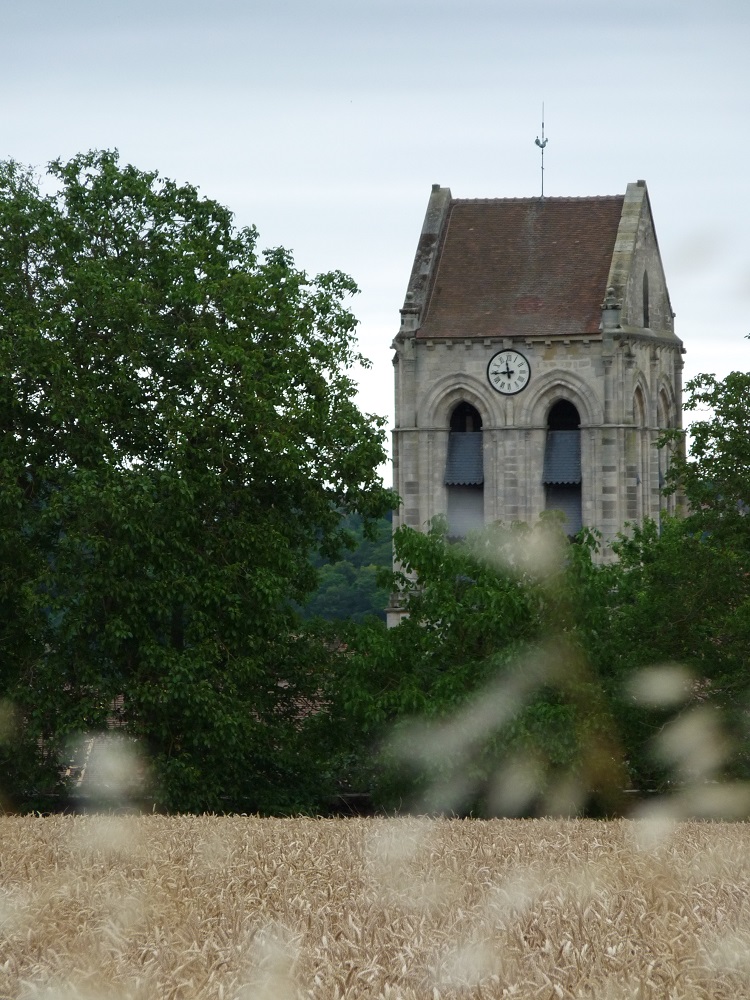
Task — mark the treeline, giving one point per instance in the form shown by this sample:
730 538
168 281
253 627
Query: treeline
355 586
182 472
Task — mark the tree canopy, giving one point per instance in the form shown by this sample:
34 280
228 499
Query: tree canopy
715 475
179 433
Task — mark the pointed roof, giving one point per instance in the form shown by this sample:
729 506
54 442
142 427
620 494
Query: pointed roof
515 266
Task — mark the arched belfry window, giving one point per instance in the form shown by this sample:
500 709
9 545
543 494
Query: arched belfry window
646 317
562 464
464 472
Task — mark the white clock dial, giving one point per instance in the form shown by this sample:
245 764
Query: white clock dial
508 372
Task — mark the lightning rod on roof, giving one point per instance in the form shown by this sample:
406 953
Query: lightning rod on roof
541 143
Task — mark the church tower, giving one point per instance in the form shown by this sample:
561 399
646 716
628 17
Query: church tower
536 364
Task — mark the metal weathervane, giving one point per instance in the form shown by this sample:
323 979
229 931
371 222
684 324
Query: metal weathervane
541 143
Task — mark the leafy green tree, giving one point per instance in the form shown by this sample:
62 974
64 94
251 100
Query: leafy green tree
179 433
676 596
530 677
484 688
715 475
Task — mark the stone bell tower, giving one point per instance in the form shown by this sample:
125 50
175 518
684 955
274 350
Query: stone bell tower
536 364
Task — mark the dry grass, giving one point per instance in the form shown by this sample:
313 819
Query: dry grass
261 909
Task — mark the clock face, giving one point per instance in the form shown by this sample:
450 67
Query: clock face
508 372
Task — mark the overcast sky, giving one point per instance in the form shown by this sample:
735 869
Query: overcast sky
325 122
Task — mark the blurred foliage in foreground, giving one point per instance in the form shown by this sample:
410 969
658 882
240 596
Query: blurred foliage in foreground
529 678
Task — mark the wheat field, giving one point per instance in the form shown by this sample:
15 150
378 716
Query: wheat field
242 908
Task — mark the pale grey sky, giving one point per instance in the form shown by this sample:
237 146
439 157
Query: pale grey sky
325 123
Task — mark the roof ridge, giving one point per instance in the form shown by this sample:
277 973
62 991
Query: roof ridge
536 198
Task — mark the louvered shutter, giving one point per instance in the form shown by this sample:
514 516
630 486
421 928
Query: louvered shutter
464 466
562 457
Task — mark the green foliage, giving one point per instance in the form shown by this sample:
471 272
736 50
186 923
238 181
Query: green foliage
487 667
179 433
715 476
674 597
351 588
530 677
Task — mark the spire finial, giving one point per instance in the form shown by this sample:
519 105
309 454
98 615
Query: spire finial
541 143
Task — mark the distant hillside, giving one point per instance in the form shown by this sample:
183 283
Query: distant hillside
349 588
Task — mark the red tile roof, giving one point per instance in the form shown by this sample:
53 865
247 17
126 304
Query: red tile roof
523 267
